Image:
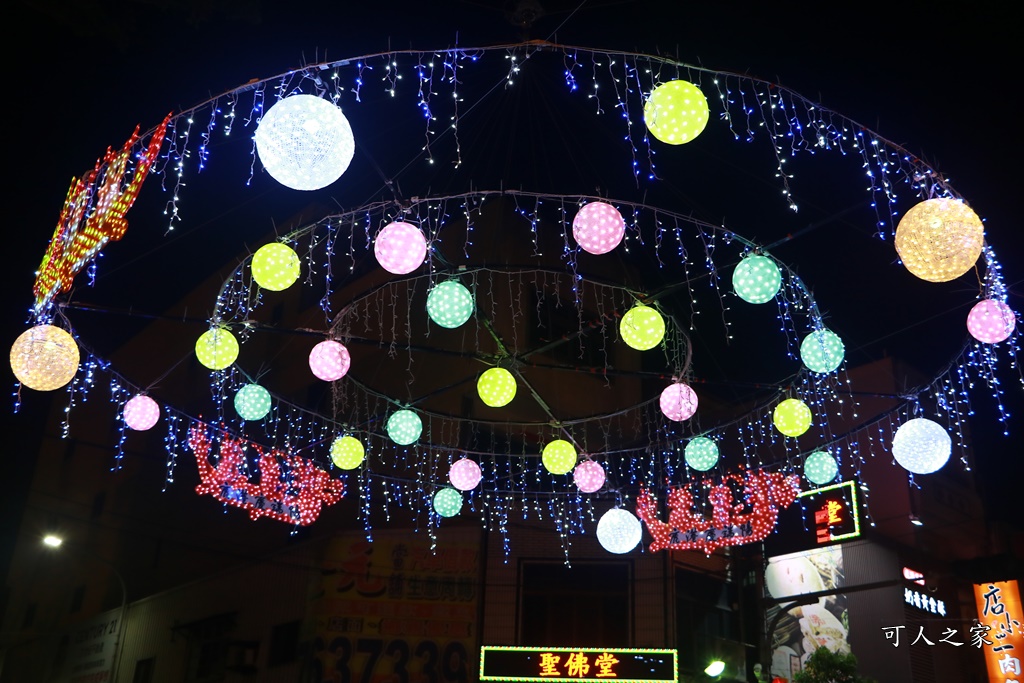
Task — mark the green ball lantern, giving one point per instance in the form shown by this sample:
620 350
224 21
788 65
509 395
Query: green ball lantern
447 502
756 279
252 402
676 112
217 348
275 266
450 304
792 417
820 468
347 452
496 387
701 453
642 327
559 456
822 351
404 427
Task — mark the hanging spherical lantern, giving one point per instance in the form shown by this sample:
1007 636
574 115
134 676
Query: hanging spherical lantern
921 446
820 468
252 402
792 417
589 476
44 357
141 413
991 321
598 228
404 427
822 351
496 387
939 239
217 348
347 452
559 456
642 327
678 401
464 474
756 279
447 502
275 266
676 112
400 248
619 531
450 304
329 360
304 142
701 453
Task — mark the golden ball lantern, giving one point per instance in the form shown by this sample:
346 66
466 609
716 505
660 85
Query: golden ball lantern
44 358
939 239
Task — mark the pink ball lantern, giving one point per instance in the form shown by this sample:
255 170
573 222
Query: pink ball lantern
141 413
678 402
329 360
589 476
464 474
991 321
598 228
400 248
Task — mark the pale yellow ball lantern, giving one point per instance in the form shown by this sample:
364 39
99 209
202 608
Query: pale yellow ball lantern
676 112
44 358
939 239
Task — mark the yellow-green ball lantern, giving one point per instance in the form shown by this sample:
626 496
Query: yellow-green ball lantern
275 266
939 239
792 417
676 112
496 387
559 456
822 351
217 348
44 357
642 327
347 452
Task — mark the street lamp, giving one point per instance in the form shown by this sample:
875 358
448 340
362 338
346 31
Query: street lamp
715 668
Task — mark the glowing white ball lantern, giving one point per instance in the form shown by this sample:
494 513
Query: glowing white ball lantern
820 468
921 446
619 531
450 304
991 321
678 401
676 112
464 474
559 456
404 427
701 453
275 266
141 413
822 351
44 357
642 327
304 142
939 239
252 402
329 360
589 476
400 248
598 228
217 348
792 417
756 279
447 502
347 452
496 387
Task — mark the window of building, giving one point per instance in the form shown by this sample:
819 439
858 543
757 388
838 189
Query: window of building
284 643
144 670
585 605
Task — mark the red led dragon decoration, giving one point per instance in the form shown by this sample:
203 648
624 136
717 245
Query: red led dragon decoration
290 489
732 522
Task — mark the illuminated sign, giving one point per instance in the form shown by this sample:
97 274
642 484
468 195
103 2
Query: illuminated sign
924 602
501 663
1000 628
836 516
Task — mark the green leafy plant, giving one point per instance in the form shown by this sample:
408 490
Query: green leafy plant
826 666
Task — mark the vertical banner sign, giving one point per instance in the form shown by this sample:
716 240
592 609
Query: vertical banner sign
999 630
395 610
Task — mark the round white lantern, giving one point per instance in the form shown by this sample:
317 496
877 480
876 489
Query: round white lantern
991 321
400 248
275 266
464 474
822 351
820 468
618 531
756 279
678 401
304 142
921 446
589 476
329 360
44 357
939 239
450 304
598 228
141 413
404 427
676 112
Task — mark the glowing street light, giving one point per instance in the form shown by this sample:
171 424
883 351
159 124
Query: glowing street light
715 668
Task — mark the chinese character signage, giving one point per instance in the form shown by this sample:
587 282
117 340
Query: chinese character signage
499 663
1000 629
834 510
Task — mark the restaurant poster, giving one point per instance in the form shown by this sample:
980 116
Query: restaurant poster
1000 630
